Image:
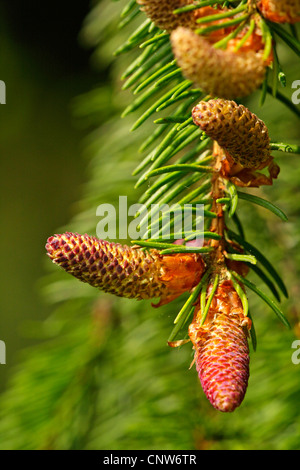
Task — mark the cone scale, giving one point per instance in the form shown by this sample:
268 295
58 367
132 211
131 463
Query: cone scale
221 349
125 271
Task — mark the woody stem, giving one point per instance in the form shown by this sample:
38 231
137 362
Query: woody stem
218 224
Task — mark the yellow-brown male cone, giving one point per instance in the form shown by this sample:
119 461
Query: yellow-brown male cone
241 133
280 11
125 271
161 13
218 72
221 350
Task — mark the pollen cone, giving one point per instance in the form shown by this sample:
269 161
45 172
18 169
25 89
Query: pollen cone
161 13
221 73
125 271
241 133
221 350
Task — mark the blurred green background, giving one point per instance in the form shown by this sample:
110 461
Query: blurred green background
86 370
44 68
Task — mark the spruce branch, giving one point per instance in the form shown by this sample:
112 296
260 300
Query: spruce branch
202 151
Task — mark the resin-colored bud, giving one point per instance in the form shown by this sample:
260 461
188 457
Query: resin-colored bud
218 72
125 271
280 11
241 133
221 349
161 13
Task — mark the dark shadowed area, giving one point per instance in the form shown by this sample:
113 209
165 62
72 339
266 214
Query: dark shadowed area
44 67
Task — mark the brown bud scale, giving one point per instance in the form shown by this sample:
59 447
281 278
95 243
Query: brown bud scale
280 11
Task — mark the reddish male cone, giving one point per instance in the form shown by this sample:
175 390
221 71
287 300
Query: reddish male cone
125 271
221 349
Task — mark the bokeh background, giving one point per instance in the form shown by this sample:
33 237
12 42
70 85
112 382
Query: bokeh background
86 370
44 69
